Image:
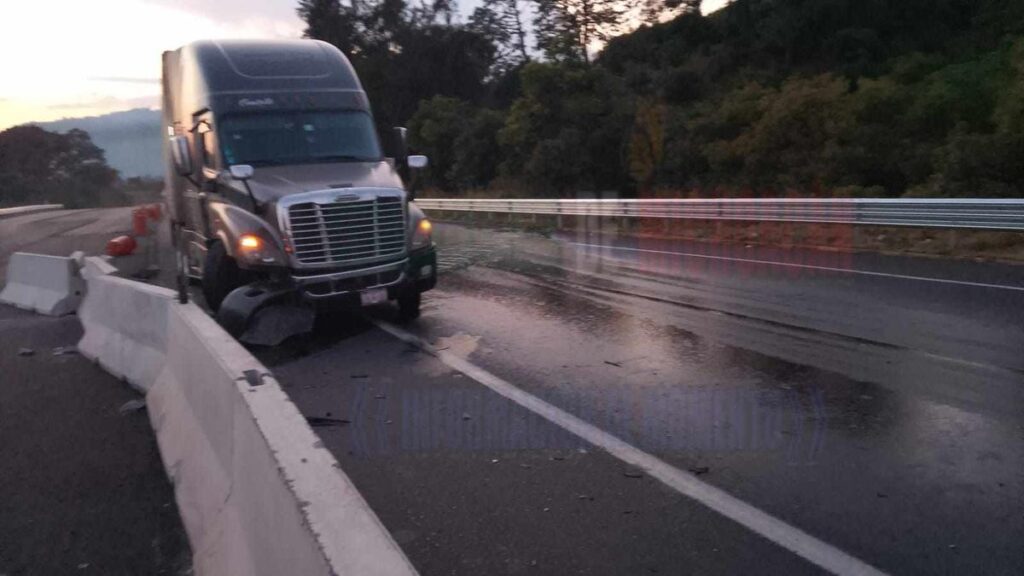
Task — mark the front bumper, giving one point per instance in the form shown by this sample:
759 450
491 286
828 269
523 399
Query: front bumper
416 273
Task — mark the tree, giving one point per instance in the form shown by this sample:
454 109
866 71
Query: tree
434 130
568 29
567 131
331 22
477 153
403 55
654 11
39 166
501 21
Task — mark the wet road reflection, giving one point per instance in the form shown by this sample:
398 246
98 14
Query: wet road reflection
882 415
894 404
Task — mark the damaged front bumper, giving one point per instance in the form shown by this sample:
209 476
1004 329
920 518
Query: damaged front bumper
416 273
307 292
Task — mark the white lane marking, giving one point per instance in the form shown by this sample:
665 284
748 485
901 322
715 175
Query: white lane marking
789 537
808 266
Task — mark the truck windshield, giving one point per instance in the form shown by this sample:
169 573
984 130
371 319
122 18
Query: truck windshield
299 138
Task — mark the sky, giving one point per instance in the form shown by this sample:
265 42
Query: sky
74 58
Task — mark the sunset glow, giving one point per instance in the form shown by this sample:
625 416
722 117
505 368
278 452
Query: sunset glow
69 58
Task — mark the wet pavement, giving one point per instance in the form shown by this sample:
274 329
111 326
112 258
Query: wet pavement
61 232
881 412
874 402
82 487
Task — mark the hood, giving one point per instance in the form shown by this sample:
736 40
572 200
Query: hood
270 183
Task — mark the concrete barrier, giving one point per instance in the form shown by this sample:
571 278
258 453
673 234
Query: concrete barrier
125 325
22 210
257 492
95 265
47 284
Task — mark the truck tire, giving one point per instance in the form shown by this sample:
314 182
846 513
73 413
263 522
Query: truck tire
409 307
221 275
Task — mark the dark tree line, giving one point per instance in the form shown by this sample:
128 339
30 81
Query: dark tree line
37 166
825 97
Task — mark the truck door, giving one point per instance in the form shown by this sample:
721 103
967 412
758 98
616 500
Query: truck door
204 145
193 198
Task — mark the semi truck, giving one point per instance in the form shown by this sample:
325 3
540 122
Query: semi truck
277 184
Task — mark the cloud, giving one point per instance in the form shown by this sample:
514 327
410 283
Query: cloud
236 13
108 103
126 80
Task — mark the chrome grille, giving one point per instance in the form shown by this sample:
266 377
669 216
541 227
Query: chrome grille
347 231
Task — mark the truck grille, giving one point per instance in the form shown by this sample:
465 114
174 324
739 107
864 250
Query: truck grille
346 231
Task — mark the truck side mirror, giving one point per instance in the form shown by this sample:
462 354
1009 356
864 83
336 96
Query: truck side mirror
241 171
400 145
180 155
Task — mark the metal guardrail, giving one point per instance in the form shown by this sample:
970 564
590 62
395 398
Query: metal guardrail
18 210
991 214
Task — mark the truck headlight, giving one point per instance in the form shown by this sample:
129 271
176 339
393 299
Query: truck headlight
421 236
253 249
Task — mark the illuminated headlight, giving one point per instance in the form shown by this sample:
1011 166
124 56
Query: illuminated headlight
421 235
254 249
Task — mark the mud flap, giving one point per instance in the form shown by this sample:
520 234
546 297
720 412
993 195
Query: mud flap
264 314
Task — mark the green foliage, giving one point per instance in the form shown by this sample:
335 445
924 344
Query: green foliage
568 130
404 54
867 103
813 97
37 166
460 139
502 23
477 154
434 130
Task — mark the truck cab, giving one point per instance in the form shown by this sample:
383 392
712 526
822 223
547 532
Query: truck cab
275 175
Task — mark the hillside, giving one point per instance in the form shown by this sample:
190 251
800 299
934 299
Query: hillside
764 97
130 139
840 97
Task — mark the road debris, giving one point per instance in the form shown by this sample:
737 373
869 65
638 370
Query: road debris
633 474
616 364
64 350
466 416
26 352
132 406
698 470
321 421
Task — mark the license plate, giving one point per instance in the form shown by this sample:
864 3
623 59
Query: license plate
373 296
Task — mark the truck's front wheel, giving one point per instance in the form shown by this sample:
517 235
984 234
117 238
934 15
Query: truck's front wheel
221 275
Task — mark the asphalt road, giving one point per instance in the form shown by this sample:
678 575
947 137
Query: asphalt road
82 487
740 409
61 232
873 403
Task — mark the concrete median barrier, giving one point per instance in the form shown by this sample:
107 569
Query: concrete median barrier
23 210
125 325
257 492
46 284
